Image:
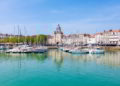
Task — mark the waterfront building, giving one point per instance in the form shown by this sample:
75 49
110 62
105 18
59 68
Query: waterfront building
50 40
6 35
99 38
111 37
91 40
56 38
106 38
75 39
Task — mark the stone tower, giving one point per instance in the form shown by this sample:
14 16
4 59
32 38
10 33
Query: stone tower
58 35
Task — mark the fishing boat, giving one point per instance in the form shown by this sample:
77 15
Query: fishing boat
96 51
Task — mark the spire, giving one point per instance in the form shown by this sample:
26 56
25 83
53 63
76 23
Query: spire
58 29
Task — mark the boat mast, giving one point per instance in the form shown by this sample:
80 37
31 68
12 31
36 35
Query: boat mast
18 34
25 41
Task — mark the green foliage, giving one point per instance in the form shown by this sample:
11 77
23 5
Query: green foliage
38 39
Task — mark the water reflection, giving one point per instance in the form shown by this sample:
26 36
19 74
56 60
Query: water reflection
39 57
109 58
58 57
21 59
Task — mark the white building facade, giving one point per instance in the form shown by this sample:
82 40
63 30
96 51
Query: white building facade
111 37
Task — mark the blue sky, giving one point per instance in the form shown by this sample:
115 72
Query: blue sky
74 16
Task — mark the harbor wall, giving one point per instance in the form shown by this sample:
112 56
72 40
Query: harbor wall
111 48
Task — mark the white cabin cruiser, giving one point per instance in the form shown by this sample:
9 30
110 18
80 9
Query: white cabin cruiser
96 51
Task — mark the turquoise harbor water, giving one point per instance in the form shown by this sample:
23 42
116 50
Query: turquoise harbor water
57 68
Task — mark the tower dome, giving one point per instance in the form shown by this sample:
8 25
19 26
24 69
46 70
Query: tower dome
58 30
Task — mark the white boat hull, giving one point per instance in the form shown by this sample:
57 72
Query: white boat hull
96 51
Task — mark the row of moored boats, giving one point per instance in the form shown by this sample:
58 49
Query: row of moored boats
76 50
27 49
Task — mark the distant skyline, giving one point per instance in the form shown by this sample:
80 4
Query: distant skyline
74 16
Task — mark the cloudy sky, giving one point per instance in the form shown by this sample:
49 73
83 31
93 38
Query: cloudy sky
74 16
